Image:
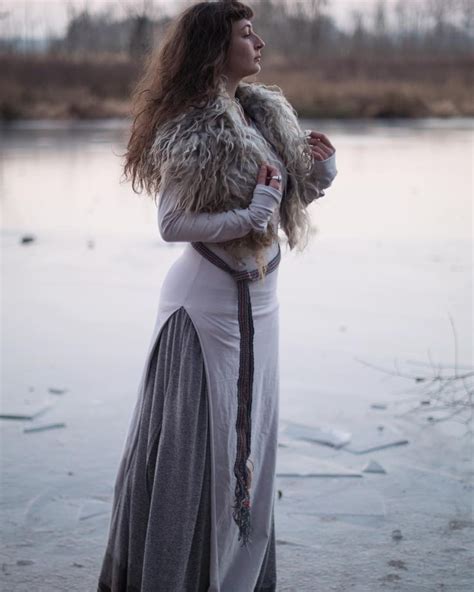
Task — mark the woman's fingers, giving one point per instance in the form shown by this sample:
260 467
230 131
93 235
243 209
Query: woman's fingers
321 146
273 172
321 150
319 154
316 137
262 175
265 174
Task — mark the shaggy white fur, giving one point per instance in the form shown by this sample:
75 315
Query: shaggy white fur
213 158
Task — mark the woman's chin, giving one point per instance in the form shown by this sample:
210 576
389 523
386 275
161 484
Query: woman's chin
255 70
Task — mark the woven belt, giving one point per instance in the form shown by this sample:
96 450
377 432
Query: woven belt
241 507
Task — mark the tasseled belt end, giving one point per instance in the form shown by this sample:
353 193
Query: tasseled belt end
241 507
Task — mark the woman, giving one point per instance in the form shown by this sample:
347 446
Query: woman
194 495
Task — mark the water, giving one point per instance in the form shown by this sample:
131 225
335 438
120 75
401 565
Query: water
388 276
386 282
403 180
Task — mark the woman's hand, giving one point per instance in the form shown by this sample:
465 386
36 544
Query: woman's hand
266 197
321 147
265 175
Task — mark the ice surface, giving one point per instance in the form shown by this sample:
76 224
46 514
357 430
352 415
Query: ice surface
330 435
375 439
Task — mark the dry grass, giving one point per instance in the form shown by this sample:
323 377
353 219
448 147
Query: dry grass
59 87
62 87
370 87
373 98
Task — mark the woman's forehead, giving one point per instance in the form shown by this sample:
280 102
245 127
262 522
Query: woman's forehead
240 25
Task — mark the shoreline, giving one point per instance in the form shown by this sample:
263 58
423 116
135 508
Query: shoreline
123 122
62 88
408 110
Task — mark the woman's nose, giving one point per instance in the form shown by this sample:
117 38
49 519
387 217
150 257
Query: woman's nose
260 43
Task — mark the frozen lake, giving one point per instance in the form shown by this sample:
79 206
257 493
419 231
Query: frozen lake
390 264
385 282
400 180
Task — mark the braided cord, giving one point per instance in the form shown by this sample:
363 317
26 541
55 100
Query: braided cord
243 425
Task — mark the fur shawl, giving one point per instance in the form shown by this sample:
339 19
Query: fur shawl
212 157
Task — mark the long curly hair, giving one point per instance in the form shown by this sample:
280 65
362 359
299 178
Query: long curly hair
187 72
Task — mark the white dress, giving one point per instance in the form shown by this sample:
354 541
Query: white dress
209 296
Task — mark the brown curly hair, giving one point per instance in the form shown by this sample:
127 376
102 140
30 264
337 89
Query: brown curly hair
196 42
186 72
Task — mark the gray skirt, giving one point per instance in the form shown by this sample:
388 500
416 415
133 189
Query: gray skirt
159 533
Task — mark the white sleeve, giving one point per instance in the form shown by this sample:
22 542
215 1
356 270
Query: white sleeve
323 172
176 225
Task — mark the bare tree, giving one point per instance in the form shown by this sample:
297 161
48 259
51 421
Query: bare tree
381 35
359 31
142 28
295 31
466 9
446 395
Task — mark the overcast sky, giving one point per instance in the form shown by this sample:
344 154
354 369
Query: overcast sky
40 18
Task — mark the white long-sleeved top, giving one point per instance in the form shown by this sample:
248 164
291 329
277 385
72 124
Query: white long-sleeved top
220 226
178 226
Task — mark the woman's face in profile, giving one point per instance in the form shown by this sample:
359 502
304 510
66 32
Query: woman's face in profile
245 47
